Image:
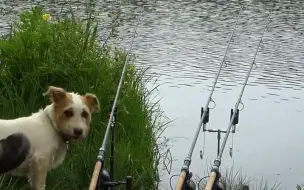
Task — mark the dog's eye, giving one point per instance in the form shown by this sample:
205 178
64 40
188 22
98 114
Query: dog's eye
84 114
68 113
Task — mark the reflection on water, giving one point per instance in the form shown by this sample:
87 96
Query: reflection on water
184 42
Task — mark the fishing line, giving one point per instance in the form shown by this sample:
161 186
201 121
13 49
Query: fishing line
105 140
217 161
212 90
187 160
171 180
203 152
102 151
243 89
199 182
231 149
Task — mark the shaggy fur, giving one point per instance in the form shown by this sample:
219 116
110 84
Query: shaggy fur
67 118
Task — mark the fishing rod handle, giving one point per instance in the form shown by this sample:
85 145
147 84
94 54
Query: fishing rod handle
95 175
211 181
181 180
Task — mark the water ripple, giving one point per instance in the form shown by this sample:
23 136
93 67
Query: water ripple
184 42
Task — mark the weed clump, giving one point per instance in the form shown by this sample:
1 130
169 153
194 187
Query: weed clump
236 180
66 52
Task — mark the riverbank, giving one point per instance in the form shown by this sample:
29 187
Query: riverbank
236 179
66 52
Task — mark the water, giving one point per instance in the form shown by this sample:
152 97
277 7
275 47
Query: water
183 43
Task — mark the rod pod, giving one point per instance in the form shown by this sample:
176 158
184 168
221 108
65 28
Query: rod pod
187 161
217 162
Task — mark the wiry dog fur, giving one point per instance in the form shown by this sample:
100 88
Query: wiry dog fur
67 118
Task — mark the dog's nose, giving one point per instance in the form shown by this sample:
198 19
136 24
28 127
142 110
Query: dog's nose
78 131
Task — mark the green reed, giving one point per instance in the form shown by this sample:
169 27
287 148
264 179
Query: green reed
67 52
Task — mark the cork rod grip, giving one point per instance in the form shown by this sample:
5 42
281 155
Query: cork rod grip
95 175
211 181
181 181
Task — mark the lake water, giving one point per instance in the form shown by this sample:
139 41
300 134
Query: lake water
183 43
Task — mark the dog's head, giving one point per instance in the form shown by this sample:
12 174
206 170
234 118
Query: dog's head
72 112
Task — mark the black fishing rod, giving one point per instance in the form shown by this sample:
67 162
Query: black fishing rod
101 179
184 176
215 175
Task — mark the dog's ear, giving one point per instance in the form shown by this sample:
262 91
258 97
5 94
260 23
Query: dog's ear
92 102
56 94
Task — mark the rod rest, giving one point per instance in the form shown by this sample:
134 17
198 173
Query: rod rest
106 183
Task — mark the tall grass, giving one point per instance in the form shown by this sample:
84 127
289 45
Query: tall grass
236 180
300 187
66 52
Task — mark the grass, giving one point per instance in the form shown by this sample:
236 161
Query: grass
300 187
236 180
66 52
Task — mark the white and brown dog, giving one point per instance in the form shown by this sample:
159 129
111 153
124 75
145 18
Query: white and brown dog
67 118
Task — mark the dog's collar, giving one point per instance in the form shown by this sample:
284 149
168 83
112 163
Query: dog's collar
63 137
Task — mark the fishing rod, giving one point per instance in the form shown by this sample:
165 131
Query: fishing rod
184 176
215 175
101 179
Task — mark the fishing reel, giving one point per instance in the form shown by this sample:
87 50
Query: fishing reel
105 182
189 184
218 184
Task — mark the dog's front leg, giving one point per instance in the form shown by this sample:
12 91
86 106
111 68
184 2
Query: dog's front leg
38 176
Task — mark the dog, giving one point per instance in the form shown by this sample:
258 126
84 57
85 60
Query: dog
13 151
66 119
